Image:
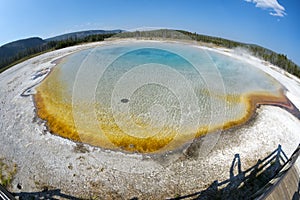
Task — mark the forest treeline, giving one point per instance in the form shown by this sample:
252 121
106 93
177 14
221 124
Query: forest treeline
279 60
6 61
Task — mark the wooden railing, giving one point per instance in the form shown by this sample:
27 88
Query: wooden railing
257 182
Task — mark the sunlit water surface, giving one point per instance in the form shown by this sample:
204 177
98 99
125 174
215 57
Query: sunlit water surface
149 96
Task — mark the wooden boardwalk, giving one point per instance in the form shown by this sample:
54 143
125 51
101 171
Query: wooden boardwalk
288 188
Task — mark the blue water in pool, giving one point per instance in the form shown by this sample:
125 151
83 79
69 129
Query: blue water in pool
125 95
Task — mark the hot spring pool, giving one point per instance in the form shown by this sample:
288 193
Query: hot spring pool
150 96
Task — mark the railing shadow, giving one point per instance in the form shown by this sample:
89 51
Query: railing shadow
45 194
254 183
246 184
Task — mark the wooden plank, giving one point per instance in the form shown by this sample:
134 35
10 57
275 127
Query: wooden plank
288 188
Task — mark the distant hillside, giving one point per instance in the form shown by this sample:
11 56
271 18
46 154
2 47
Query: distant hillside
277 59
17 50
82 34
13 48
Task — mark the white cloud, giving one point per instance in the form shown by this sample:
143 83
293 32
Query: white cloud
275 8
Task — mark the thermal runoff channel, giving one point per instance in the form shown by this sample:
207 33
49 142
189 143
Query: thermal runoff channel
150 97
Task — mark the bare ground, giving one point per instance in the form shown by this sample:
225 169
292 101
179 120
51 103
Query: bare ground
45 161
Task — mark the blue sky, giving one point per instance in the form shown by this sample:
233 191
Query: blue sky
270 23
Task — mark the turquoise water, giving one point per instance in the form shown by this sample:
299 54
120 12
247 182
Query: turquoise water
154 89
207 74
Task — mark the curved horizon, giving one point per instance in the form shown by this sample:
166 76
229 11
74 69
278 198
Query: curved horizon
273 24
